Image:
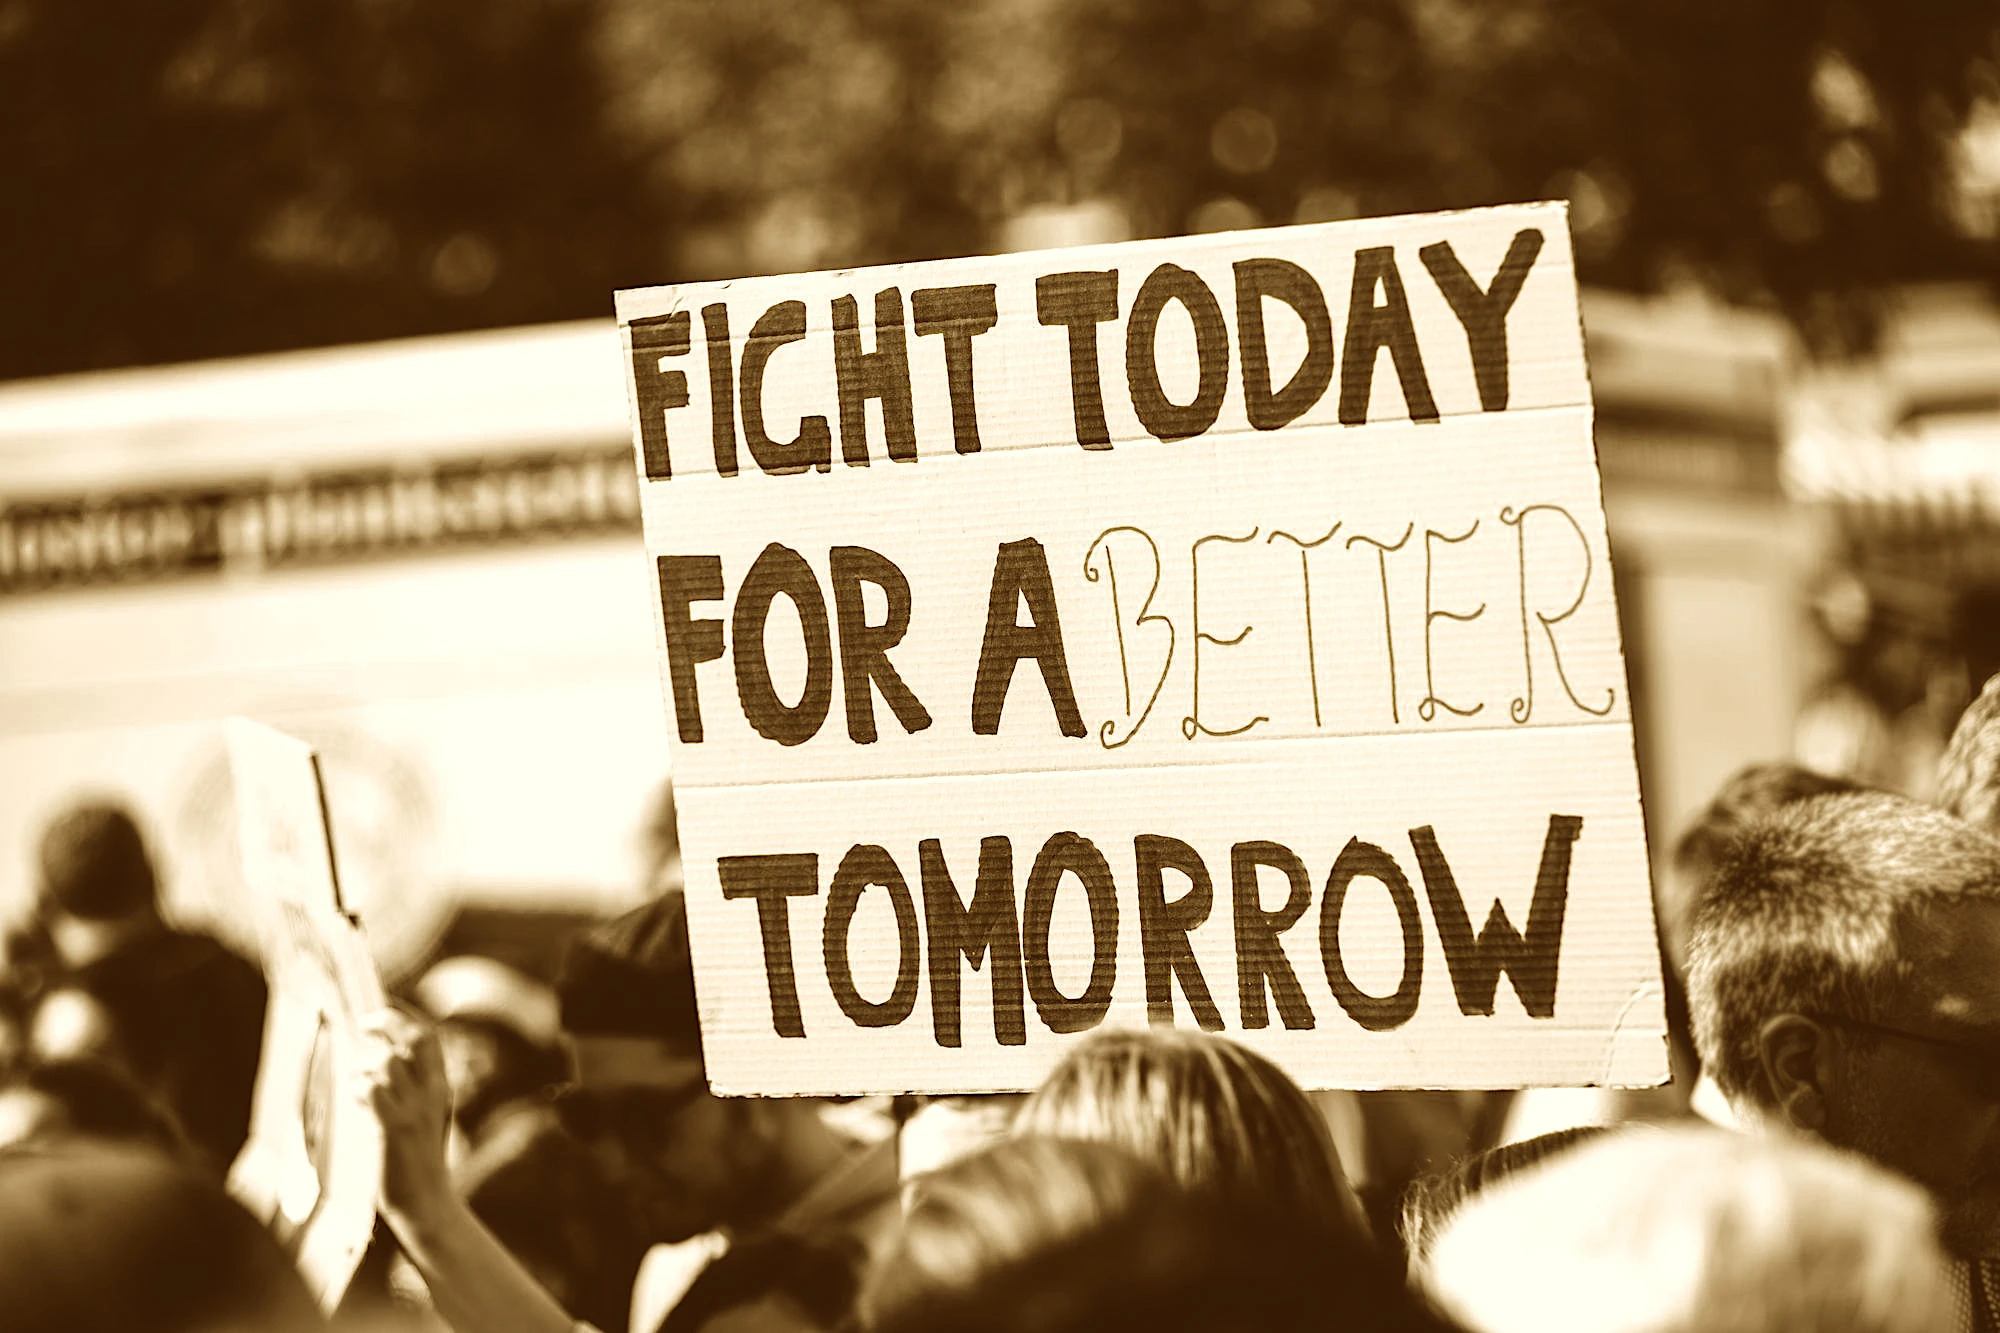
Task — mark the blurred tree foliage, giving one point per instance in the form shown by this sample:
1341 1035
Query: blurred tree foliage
189 178
1791 151
781 135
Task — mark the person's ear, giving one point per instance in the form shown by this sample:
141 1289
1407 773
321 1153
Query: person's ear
1798 1058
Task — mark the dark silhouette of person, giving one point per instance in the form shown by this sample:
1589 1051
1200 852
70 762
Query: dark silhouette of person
179 1010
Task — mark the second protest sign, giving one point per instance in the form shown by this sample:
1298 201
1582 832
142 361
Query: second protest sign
1214 631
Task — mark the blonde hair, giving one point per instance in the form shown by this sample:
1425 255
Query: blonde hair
1222 1121
993 1215
1695 1231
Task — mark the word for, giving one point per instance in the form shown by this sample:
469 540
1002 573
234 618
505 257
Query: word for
1378 318
1006 932
1020 571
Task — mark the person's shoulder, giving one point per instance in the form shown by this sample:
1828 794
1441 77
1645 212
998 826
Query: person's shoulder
194 966
197 951
524 1154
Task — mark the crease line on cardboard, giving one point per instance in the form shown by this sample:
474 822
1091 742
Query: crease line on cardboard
686 784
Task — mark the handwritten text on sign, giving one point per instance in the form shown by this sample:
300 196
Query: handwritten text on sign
1203 682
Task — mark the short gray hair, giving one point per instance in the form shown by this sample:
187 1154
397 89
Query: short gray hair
1803 915
1695 1231
1969 773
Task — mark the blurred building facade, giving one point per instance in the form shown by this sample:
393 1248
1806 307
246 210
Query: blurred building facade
422 556
1711 560
1898 459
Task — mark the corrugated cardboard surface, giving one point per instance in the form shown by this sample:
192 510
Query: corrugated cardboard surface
1323 636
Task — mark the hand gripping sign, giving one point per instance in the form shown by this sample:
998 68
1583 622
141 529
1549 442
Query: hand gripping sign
313 1163
1213 631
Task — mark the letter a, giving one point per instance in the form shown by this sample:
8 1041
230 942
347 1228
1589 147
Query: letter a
1022 569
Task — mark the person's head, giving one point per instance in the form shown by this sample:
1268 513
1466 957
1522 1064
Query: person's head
1217 1117
84 1101
499 1029
1844 981
103 1239
689 1161
1751 793
1432 1201
1694 1231
1066 1235
1033 1232
96 880
28 960
1969 773
776 1282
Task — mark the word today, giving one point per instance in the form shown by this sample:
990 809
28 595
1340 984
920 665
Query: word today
1072 305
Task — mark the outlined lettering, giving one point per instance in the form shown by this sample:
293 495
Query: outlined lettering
1100 552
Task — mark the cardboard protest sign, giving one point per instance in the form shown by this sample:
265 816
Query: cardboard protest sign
1215 631
313 1164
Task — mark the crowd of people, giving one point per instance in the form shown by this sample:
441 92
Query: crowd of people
1826 1160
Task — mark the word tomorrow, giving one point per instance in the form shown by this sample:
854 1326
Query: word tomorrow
1007 933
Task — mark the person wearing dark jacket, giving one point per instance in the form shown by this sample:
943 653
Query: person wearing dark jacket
179 1010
